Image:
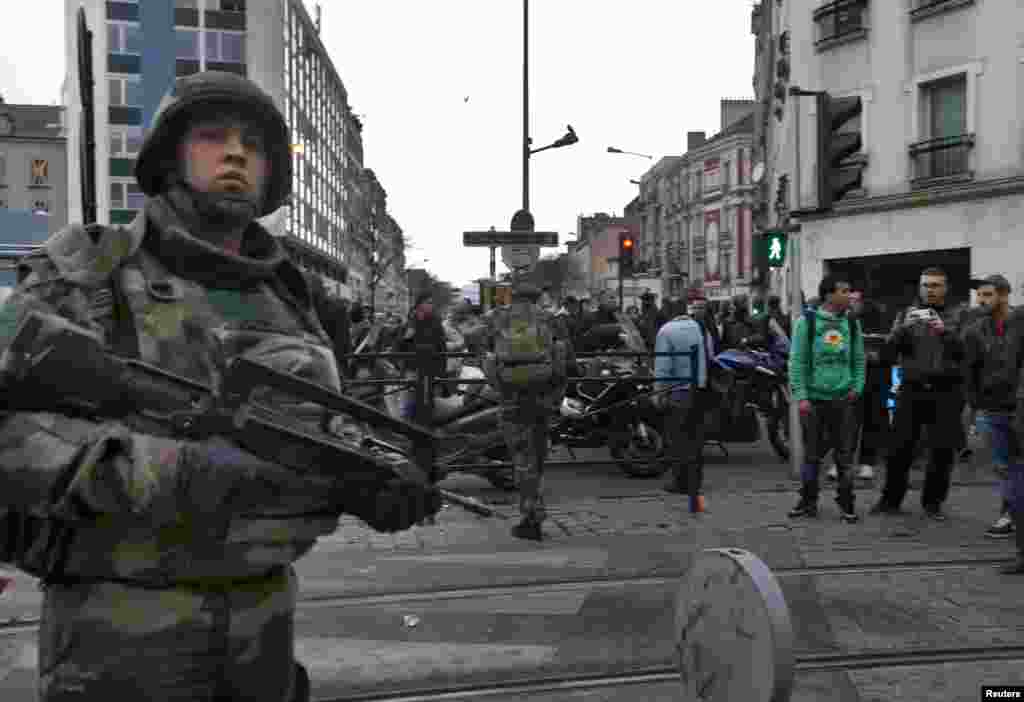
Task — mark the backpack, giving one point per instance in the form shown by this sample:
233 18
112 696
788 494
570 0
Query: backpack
809 319
524 348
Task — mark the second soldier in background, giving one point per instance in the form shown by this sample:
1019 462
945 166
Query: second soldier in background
528 366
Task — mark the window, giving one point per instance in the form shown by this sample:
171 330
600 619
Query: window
125 141
124 38
840 18
725 257
232 5
228 47
188 44
126 196
125 92
39 171
946 140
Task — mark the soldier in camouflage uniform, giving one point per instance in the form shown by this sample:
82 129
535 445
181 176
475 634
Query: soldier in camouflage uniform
167 564
526 416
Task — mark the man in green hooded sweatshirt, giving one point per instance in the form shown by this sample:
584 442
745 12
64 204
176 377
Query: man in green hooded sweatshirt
826 376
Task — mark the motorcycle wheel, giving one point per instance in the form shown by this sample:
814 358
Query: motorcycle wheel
639 458
778 425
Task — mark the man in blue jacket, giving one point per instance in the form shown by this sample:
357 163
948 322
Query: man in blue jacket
685 405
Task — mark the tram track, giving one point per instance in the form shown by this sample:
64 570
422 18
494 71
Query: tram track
569 585
804 664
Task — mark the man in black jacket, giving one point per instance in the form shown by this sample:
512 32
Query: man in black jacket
928 339
993 362
740 327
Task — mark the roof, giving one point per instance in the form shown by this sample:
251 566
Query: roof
740 126
38 121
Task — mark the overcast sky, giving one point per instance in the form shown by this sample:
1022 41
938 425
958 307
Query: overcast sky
637 75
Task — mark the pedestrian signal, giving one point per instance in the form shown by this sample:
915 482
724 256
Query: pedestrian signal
772 249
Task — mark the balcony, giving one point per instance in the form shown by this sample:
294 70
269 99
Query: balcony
840 22
941 160
929 8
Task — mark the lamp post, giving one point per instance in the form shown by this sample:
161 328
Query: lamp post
613 150
523 220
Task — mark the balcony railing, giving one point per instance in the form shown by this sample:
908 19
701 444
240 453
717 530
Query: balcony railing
943 157
929 8
840 19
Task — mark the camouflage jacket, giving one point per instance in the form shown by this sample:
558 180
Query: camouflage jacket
495 320
174 301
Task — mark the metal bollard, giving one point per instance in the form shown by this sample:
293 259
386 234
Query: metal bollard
735 635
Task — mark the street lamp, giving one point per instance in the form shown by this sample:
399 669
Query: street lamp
613 150
523 220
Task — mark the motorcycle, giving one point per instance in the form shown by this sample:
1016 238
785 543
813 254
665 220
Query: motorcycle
470 409
748 384
633 431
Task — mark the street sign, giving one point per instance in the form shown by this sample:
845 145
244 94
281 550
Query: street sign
519 256
493 238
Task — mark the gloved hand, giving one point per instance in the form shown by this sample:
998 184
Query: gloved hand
397 506
220 477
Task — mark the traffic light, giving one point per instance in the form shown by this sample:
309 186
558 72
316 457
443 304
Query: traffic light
627 247
836 178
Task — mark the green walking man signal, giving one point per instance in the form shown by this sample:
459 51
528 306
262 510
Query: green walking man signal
773 248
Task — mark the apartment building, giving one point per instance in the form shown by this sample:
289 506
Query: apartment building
141 46
696 210
33 168
941 84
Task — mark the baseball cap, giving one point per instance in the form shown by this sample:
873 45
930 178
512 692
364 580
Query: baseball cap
998 281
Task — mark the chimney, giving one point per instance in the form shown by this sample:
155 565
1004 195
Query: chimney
735 110
695 140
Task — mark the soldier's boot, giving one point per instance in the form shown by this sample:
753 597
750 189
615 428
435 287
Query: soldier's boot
528 528
531 506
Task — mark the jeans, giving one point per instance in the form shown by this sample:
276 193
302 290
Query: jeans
940 410
996 427
684 429
828 426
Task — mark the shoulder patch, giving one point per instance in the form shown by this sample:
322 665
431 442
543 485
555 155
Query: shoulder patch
87 255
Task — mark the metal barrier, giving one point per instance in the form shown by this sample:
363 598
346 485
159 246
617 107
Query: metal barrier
424 359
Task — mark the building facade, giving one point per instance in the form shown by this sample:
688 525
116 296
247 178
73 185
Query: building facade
141 46
595 256
33 164
696 210
942 143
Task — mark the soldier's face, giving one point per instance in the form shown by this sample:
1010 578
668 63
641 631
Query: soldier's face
225 156
933 289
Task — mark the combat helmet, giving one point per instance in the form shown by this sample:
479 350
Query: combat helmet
212 88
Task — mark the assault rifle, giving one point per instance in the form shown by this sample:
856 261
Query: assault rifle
54 365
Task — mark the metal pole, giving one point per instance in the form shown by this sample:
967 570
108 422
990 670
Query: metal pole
493 263
796 434
620 287
526 106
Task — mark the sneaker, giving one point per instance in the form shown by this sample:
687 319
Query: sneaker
848 516
1001 528
866 472
881 507
935 514
833 473
804 509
